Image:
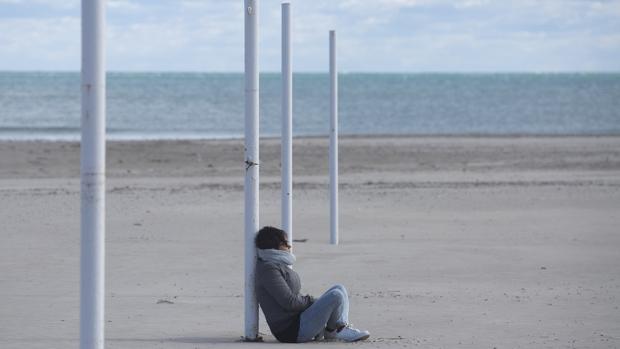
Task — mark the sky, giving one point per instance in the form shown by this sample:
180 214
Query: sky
373 35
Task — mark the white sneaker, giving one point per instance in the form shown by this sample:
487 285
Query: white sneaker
348 334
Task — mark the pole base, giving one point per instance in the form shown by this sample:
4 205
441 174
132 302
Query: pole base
258 339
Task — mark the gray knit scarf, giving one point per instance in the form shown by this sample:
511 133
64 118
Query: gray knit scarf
277 256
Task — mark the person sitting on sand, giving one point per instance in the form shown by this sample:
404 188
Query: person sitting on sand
292 317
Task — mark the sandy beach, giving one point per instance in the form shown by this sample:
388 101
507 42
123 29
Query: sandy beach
446 242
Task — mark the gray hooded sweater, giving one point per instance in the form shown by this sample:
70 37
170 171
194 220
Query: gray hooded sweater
277 292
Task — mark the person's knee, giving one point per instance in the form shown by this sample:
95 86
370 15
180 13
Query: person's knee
341 288
336 295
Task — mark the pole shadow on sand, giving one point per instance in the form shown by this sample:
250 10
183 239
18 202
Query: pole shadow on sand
188 340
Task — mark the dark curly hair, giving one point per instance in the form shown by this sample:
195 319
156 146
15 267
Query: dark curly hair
270 238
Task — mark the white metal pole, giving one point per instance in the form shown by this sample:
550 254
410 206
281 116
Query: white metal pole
92 169
287 128
333 140
251 165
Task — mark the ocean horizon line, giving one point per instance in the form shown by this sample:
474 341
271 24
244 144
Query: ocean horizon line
549 72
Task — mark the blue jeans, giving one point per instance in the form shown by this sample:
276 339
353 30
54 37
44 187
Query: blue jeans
331 310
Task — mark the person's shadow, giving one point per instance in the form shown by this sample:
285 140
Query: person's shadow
188 340
203 340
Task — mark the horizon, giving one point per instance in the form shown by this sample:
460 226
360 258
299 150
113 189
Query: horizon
567 72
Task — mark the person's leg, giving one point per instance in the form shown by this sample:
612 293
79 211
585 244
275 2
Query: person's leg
341 317
327 309
340 288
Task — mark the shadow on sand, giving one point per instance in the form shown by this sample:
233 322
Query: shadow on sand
189 340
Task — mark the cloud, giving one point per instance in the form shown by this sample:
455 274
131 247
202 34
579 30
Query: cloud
37 44
125 6
375 35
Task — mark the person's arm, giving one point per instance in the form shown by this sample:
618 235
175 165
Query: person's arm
273 281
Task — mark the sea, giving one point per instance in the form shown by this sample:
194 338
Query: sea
46 105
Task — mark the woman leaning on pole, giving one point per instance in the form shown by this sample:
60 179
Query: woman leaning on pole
291 316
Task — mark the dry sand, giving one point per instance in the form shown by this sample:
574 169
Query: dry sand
445 242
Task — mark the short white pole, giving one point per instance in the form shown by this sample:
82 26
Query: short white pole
333 140
287 128
92 170
251 165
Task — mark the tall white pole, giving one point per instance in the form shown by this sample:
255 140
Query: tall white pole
287 128
92 169
333 140
251 165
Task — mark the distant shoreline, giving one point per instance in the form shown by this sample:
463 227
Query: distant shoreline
302 137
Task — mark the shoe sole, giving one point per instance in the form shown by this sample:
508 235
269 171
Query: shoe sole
361 338
356 340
